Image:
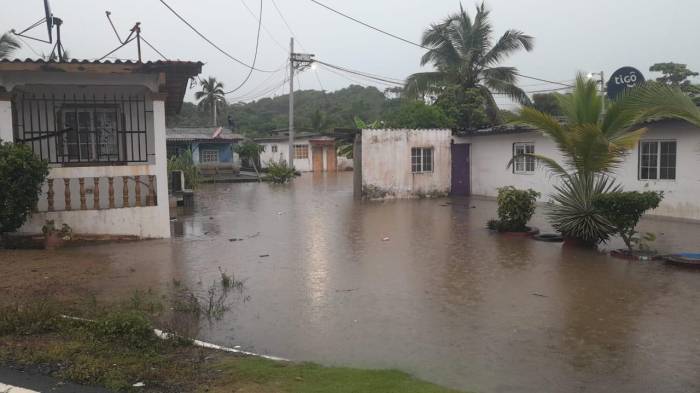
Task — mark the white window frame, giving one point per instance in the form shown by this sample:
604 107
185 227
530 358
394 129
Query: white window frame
524 165
656 166
298 149
422 159
206 154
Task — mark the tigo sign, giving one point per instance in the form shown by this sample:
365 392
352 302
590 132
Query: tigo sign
622 79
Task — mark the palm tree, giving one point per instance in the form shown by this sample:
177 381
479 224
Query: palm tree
464 55
594 143
8 45
211 96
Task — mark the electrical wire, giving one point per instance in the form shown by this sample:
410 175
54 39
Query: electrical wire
378 78
267 31
370 26
210 42
255 56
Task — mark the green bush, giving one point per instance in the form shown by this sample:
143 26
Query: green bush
515 209
21 177
279 172
28 319
571 209
185 163
129 327
624 209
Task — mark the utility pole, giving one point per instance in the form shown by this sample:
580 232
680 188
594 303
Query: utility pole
291 102
602 90
301 60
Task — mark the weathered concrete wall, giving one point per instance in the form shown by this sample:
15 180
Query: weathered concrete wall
301 165
386 163
490 156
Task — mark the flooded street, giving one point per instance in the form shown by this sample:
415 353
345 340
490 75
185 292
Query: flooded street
423 287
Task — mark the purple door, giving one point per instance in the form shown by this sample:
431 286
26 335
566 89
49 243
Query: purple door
460 169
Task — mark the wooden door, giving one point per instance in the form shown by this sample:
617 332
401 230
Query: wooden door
461 181
317 156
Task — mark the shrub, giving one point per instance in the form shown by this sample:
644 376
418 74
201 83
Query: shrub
515 209
21 177
279 172
185 163
572 213
27 319
624 209
129 327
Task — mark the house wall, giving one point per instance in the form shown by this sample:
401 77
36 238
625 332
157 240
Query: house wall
301 165
225 151
490 156
386 163
146 221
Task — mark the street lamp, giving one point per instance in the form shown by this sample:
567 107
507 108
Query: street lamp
600 74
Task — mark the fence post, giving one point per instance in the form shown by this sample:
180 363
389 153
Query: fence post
111 192
66 194
125 191
96 193
150 199
137 191
50 194
83 199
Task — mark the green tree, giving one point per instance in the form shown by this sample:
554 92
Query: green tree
594 143
547 103
211 97
250 151
464 54
674 74
417 114
21 176
8 45
318 121
466 108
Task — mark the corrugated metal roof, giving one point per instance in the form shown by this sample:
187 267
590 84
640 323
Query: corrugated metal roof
200 134
177 72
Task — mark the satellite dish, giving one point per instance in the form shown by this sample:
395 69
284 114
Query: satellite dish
49 19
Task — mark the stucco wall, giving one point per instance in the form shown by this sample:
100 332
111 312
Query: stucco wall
490 155
301 165
386 163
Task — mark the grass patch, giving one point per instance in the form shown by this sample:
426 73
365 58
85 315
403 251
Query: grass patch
117 348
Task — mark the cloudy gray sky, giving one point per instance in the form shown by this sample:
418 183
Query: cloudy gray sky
571 36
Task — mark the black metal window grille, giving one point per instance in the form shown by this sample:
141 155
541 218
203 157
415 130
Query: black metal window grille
83 130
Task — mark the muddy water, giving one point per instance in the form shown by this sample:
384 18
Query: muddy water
421 286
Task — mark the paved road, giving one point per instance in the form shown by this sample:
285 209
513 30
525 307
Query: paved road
13 381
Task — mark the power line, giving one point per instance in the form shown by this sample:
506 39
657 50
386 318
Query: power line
264 27
549 90
387 80
542 80
255 56
370 26
279 12
210 41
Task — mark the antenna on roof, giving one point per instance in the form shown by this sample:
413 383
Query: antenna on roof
51 22
134 34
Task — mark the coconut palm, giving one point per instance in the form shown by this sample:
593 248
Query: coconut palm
593 144
211 97
8 45
464 54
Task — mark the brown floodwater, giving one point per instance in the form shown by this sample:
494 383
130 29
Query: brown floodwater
422 286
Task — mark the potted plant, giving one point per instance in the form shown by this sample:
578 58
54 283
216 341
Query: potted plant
515 209
623 210
53 237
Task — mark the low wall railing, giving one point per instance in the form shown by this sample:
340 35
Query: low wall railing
97 193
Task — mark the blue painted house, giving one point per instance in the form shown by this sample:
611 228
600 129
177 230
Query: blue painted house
212 147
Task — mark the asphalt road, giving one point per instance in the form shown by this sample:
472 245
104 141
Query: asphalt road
14 381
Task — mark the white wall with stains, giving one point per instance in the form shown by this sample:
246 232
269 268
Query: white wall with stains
386 163
490 155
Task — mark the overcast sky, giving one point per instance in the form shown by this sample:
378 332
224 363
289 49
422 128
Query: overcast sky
571 36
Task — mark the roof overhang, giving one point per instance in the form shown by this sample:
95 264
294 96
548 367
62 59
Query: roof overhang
172 76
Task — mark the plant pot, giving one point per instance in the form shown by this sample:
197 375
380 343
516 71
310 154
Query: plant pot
53 241
576 242
632 256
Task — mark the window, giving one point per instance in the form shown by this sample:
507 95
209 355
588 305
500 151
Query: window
421 159
523 164
91 134
273 148
209 156
657 160
301 152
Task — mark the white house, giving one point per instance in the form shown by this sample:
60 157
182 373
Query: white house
666 159
101 127
313 152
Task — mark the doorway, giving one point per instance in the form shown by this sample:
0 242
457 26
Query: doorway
461 179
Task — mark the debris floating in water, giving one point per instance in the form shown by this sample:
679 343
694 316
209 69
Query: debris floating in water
264 255
385 239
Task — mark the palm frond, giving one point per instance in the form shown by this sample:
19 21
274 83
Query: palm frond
584 105
508 89
652 101
510 42
422 83
8 45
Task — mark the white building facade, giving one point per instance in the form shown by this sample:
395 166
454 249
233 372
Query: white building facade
101 128
666 159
